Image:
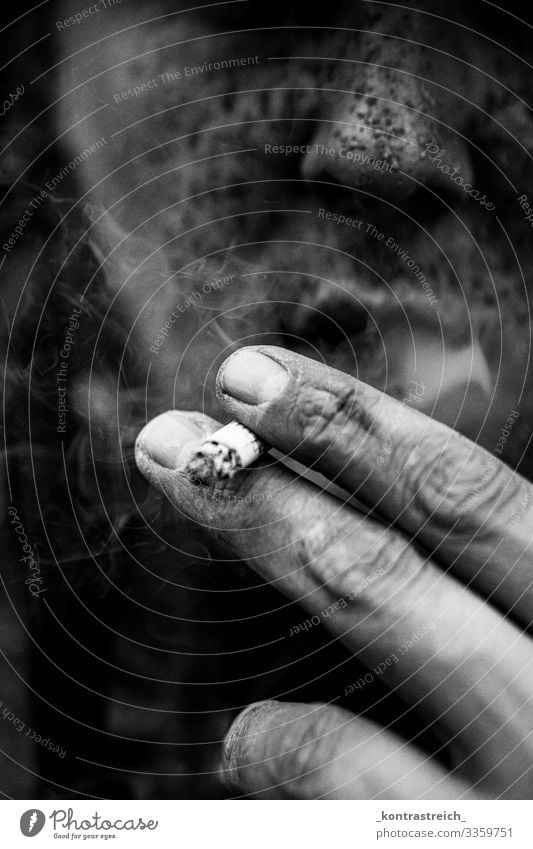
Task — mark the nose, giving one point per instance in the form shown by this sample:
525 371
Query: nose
385 129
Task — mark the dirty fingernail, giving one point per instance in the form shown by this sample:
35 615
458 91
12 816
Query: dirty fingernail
163 438
252 378
238 739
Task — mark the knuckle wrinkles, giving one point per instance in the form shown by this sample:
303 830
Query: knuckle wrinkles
297 763
364 565
390 566
304 746
320 414
451 481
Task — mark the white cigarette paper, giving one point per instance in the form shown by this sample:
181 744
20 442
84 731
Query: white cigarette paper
231 448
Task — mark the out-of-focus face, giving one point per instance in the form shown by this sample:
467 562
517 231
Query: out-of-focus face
351 180
344 180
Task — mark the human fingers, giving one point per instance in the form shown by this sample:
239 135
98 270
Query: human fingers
439 645
285 750
462 503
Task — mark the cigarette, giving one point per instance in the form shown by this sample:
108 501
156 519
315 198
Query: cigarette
230 449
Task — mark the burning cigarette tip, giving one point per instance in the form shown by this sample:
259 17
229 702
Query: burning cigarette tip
219 457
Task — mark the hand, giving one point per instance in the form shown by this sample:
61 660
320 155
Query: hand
430 587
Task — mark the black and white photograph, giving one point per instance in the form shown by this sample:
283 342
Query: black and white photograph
266 512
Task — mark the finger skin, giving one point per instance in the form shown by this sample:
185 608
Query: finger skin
443 648
463 504
284 750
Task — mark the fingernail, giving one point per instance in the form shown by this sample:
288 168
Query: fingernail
239 736
252 378
163 438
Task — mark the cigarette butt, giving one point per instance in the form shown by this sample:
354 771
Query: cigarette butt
218 458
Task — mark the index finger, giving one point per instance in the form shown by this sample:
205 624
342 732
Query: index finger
466 506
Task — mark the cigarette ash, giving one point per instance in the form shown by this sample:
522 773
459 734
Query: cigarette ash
214 462
219 457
